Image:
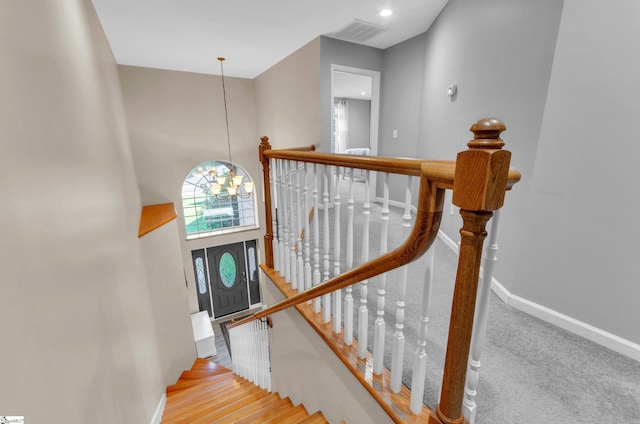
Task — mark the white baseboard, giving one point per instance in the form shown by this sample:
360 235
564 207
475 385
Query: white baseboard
157 416
582 329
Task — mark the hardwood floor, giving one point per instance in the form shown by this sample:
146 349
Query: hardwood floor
210 393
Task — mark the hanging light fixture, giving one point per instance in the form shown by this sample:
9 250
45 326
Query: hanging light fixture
225 183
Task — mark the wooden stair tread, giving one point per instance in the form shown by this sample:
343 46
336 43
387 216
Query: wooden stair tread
289 416
209 393
211 397
204 388
249 409
186 384
215 402
232 405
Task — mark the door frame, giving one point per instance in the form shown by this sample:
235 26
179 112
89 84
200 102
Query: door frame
374 118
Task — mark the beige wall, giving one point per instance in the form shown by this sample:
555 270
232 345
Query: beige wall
288 99
77 323
177 121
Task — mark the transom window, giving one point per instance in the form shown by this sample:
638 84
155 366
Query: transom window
217 197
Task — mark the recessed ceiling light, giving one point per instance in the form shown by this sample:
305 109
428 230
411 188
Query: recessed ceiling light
363 93
386 12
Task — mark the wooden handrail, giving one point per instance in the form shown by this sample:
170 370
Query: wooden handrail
428 216
440 172
479 178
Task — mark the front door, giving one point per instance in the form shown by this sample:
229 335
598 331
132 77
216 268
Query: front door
228 279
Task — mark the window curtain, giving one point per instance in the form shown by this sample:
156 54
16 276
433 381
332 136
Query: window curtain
342 126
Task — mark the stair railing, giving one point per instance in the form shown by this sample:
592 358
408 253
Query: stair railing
249 345
296 180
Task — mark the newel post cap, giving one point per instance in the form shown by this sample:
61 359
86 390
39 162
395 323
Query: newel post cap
482 172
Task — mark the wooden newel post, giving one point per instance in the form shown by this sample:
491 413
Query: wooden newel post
479 187
268 237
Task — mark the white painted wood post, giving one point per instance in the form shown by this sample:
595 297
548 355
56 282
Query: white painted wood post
419 368
274 214
348 298
299 210
379 325
337 295
326 299
317 304
293 238
307 233
363 311
397 351
469 407
285 220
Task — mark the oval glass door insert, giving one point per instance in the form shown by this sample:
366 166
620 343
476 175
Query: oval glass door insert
227 269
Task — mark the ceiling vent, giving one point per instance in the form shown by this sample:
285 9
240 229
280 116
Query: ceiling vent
358 31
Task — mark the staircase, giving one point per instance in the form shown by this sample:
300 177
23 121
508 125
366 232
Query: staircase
210 393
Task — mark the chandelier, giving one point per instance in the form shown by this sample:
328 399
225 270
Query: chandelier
223 183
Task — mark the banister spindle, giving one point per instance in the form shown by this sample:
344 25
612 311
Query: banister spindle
307 232
273 180
284 164
299 209
379 325
363 311
397 351
316 235
326 299
348 297
479 186
337 295
419 368
469 407
293 230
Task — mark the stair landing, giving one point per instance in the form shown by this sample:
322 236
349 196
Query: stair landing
210 393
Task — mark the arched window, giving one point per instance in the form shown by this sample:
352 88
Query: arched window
217 197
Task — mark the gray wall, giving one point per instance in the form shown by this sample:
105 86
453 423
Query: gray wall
577 252
79 337
337 52
401 106
562 77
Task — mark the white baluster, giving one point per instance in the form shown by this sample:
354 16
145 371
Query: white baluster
469 407
363 311
285 219
274 214
419 367
337 295
348 298
326 299
293 230
299 211
379 325
316 236
307 232
397 351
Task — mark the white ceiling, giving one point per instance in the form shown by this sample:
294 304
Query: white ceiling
188 35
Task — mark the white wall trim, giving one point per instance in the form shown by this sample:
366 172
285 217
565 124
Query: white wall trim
582 329
157 416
